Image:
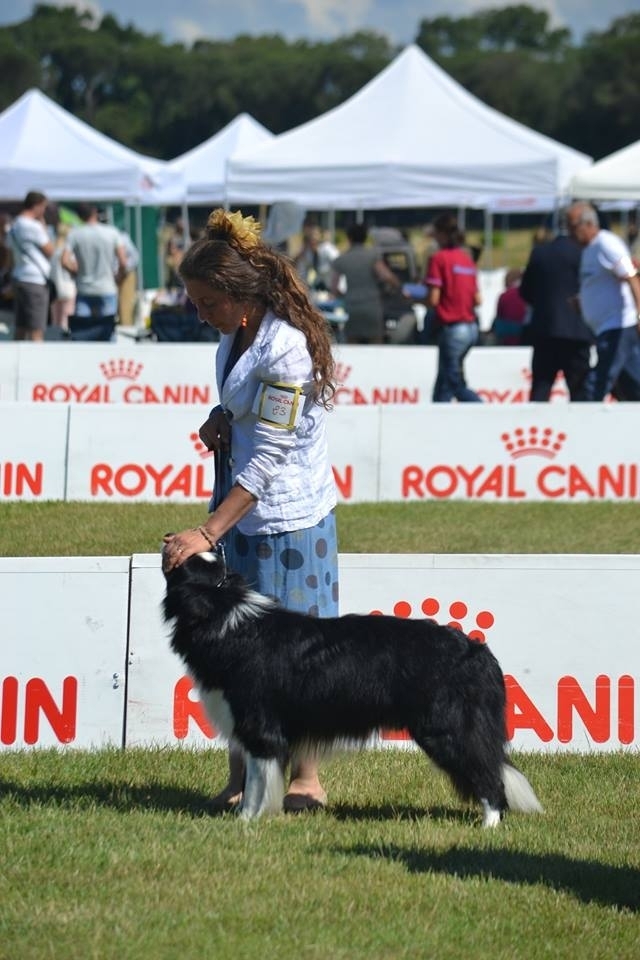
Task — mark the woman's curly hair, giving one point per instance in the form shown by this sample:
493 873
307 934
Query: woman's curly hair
232 258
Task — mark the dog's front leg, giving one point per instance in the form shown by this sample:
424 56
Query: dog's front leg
263 788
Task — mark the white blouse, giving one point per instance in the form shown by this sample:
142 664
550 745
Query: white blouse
282 459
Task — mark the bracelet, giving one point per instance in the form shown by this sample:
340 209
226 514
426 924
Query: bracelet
209 539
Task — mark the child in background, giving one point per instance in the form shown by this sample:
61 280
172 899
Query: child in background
511 312
65 301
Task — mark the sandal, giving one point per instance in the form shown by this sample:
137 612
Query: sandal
301 803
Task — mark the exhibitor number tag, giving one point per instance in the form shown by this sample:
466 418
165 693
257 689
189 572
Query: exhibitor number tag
279 405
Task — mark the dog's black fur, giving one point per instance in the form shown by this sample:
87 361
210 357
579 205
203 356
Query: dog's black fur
280 683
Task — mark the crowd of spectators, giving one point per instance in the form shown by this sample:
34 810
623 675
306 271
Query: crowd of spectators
57 271
575 302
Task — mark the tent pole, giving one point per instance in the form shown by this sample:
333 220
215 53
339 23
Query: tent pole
331 224
225 199
488 236
186 226
160 248
624 223
138 213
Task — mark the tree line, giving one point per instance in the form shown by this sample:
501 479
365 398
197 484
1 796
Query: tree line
164 98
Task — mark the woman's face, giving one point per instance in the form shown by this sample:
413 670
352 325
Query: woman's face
215 308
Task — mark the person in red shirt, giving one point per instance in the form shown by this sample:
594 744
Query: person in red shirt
452 293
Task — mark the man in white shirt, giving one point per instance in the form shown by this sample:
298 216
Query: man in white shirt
32 249
609 301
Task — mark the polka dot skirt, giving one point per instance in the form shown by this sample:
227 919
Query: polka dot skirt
298 568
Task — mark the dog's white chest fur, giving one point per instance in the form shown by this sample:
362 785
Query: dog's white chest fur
218 711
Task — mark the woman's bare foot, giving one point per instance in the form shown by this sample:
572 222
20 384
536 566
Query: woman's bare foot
305 791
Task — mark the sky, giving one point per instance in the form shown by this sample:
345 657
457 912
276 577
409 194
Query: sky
314 20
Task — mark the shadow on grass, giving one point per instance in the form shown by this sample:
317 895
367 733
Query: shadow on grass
116 796
404 812
587 880
155 796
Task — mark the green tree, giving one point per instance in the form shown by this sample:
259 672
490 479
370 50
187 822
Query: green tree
443 37
517 85
509 58
521 28
163 99
20 71
603 108
518 27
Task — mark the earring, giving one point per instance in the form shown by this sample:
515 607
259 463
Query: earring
243 322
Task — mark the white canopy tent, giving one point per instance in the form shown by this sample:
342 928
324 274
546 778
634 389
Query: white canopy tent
411 137
616 177
204 168
43 147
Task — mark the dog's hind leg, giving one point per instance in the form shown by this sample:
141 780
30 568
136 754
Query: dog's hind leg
263 787
474 769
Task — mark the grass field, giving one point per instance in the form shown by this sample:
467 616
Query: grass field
113 855
87 529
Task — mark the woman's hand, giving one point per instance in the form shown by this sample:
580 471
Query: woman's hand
180 546
215 432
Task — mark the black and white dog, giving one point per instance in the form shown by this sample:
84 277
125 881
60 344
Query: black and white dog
281 684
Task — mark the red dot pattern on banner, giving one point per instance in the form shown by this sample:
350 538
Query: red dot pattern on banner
430 607
402 609
458 610
200 448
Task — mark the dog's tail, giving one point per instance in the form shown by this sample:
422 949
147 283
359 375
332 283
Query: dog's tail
518 791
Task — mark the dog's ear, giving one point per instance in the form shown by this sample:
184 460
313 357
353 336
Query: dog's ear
165 560
163 551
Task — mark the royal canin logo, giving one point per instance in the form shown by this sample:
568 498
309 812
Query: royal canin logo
199 447
120 384
533 442
131 480
188 481
121 369
457 614
349 394
513 481
522 393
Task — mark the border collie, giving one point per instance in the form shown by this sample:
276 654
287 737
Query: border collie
280 684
